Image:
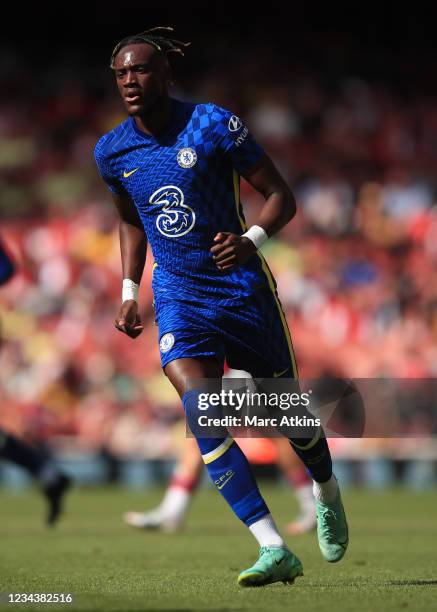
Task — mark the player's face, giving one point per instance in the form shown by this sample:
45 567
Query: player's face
142 77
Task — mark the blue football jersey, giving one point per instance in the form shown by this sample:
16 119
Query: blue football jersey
185 186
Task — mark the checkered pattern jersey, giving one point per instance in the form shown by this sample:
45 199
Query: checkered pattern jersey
185 186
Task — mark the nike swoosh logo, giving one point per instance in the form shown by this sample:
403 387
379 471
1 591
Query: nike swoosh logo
227 480
276 374
127 174
280 560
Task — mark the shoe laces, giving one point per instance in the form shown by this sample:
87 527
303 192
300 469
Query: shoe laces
268 550
328 526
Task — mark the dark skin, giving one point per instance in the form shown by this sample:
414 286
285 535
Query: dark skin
143 78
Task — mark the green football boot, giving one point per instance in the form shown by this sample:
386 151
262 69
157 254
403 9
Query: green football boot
332 529
275 564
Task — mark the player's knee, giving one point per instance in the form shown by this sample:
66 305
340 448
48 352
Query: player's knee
200 416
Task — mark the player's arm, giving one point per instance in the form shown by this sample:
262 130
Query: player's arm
279 208
133 247
280 205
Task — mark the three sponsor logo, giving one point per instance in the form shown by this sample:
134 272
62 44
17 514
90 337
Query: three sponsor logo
176 218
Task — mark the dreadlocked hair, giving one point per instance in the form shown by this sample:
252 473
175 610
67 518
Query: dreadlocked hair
157 37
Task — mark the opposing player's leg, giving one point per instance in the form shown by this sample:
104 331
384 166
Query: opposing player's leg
230 471
170 515
54 483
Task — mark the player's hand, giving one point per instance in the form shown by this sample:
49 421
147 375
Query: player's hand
128 320
231 250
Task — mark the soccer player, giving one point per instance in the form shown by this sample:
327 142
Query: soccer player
54 484
174 170
170 515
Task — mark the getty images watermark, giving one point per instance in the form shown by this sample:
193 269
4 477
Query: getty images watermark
239 400
337 407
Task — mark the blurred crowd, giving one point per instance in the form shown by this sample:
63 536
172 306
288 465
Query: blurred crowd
356 269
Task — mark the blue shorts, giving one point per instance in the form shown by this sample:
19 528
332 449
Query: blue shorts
253 336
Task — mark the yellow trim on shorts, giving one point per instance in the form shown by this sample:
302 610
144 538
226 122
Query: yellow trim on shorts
269 276
266 270
213 455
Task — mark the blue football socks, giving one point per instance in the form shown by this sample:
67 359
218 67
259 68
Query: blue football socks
228 468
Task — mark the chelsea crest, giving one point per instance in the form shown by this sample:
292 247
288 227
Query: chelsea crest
187 157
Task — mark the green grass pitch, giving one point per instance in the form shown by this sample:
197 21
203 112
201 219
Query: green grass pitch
391 563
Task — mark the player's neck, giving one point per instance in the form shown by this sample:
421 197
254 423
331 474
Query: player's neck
156 119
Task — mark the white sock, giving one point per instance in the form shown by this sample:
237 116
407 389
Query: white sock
305 498
326 491
266 532
175 503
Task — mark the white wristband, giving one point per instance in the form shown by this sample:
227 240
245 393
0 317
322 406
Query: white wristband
257 235
129 291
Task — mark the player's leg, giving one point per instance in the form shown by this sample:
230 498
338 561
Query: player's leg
230 471
170 515
332 527
296 475
261 344
53 482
